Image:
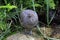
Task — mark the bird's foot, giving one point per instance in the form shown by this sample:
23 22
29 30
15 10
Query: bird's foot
28 32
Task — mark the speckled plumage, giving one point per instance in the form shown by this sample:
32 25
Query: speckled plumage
29 19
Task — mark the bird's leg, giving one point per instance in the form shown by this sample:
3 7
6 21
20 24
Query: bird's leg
28 31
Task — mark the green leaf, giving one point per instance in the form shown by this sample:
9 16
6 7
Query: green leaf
8 6
37 5
51 4
2 15
2 25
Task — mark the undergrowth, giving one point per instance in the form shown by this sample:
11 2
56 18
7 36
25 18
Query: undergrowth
10 14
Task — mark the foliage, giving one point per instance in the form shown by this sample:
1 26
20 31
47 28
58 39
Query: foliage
10 11
50 3
3 15
2 25
3 19
8 6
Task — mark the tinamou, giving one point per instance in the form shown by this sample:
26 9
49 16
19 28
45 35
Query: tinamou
29 19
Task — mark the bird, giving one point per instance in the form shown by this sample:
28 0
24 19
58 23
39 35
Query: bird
29 19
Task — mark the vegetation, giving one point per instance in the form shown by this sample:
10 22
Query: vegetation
10 14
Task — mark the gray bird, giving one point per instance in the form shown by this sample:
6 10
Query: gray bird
29 19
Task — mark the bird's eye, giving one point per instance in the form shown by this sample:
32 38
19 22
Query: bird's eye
29 16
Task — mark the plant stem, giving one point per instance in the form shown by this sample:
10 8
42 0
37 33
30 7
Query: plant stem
33 5
47 12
